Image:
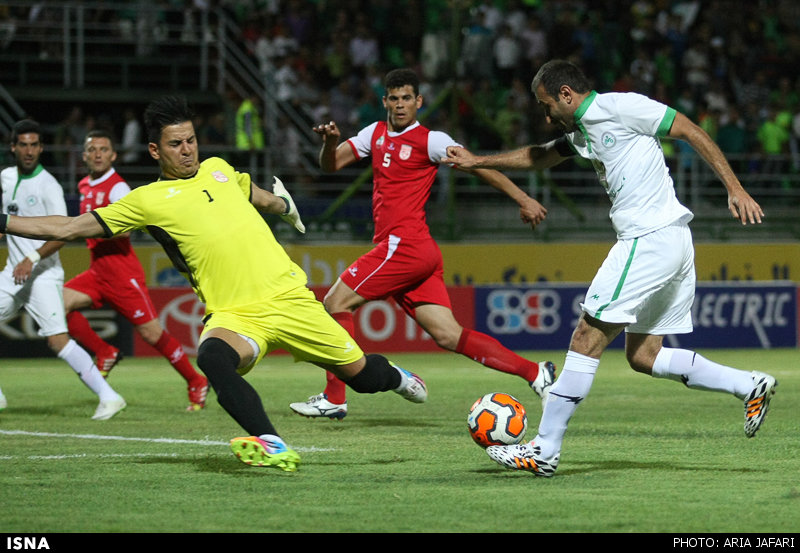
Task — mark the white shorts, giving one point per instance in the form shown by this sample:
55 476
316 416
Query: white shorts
41 296
647 283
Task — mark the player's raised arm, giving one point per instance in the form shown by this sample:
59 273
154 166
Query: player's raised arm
535 157
53 227
333 156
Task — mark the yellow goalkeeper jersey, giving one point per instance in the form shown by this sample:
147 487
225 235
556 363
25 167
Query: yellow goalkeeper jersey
212 233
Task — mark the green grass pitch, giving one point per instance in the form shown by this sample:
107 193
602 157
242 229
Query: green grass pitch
640 456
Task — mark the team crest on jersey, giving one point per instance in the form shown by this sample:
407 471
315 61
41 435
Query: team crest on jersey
405 152
608 140
100 196
379 142
219 176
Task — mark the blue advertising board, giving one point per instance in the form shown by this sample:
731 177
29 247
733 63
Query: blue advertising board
19 336
725 315
744 315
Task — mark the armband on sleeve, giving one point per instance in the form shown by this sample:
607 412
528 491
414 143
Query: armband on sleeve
563 148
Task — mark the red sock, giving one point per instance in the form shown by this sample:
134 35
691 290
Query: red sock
335 389
489 352
82 332
170 348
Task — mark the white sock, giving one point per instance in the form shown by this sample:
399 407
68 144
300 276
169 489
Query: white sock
81 362
571 387
698 373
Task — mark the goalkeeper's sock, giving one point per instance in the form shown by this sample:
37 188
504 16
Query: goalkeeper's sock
219 361
378 375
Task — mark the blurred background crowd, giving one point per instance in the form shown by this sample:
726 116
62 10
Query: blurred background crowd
732 67
729 65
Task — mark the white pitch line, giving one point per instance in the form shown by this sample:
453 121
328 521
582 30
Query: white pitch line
85 456
117 438
132 439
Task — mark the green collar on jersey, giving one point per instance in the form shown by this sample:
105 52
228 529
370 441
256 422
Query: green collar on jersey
20 177
579 113
585 105
38 169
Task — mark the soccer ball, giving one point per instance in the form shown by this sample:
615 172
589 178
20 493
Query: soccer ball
497 419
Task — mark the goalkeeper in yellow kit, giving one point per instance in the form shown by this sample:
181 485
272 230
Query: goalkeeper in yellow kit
206 217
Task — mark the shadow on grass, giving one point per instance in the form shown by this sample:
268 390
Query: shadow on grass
409 422
215 464
586 467
228 464
57 409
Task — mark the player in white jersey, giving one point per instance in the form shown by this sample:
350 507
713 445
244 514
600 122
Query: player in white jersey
33 277
646 284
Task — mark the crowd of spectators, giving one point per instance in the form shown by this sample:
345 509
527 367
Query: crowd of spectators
732 67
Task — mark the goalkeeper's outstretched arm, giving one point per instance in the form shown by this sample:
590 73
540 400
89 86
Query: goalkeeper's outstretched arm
53 227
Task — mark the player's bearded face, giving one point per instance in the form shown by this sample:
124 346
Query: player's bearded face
27 150
176 152
556 111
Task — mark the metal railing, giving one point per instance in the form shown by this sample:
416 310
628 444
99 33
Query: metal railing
122 51
116 48
461 207
10 111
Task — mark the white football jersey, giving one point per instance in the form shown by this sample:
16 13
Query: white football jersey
619 133
28 196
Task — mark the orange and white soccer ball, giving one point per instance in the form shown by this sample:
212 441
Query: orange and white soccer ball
497 419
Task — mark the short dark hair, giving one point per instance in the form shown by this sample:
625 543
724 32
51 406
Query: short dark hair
555 73
25 126
165 111
398 78
99 133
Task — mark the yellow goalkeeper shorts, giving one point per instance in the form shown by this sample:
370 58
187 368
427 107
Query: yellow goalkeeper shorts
295 322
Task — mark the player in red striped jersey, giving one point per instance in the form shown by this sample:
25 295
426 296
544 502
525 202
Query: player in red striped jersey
116 277
406 263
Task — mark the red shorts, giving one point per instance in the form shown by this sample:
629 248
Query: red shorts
127 295
410 271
